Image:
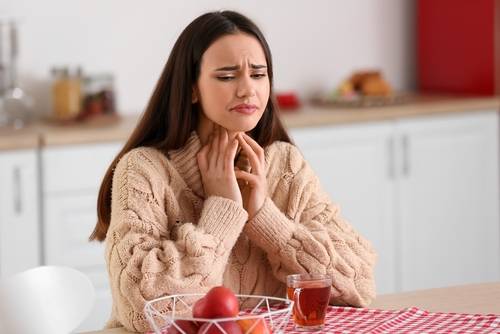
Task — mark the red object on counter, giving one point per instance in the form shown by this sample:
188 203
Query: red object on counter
219 302
287 100
459 46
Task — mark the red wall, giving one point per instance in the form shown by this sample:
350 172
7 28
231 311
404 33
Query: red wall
456 46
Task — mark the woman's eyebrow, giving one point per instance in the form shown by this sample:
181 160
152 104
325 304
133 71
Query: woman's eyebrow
228 68
237 67
256 67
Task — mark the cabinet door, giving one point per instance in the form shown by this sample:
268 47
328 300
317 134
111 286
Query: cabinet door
72 175
355 166
19 212
69 220
448 200
73 168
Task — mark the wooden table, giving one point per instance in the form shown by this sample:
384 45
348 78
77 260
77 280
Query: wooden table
476 298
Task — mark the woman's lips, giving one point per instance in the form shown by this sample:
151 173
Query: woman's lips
246 109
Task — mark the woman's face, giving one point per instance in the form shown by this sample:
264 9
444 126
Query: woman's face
233 86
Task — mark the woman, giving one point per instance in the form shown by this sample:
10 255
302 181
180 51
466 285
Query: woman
209 190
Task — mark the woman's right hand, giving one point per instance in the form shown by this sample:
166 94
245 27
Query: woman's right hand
216 163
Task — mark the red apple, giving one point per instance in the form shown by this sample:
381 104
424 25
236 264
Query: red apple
189 327
230 327
219 302
199 308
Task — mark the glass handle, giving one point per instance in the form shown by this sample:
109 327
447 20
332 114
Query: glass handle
296 300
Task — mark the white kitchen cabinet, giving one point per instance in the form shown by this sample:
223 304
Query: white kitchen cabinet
19 211
72 175
354 164
68 223
425 191
448 200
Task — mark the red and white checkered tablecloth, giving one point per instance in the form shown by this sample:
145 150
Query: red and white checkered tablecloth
347 320
350 320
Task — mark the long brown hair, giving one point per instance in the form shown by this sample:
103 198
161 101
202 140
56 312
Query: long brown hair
170 116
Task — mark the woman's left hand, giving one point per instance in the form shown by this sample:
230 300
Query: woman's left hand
256 188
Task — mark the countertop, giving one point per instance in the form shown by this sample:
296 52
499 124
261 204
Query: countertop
43 133
475 298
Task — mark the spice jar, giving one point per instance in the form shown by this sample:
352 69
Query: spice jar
67 94
98 95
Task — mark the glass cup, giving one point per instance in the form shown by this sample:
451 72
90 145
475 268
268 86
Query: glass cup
311 294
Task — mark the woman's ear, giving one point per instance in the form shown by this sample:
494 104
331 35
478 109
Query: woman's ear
194 95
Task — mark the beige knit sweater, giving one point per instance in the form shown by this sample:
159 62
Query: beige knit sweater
166 238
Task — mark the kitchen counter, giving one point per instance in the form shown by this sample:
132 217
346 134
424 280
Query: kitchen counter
19 139
413 107
475 298
43 133
103 130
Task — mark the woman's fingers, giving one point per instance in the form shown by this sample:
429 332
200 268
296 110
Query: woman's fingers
230 154
221 151
252 179
214 148
223 143
202 157
255 146
208 146
251 155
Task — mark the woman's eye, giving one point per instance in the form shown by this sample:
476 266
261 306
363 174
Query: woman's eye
258 75
225 78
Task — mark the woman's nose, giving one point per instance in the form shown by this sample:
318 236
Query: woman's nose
246 88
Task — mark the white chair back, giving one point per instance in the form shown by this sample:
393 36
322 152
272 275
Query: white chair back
45 300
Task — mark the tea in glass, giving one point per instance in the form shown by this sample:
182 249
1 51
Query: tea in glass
311 294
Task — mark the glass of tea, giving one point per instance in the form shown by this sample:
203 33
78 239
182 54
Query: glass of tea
310 294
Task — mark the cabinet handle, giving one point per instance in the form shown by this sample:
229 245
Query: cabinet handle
391 168
18 203
405 143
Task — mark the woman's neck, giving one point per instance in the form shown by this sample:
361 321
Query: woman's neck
206 127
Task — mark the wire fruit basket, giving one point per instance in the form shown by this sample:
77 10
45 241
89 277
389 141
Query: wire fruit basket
258 315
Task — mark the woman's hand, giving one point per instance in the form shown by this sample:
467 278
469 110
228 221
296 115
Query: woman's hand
255 191
216 163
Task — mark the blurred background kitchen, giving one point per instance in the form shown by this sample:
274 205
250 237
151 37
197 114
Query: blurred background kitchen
394 103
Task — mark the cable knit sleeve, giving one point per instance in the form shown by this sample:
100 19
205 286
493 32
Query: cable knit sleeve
307 235
145 260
